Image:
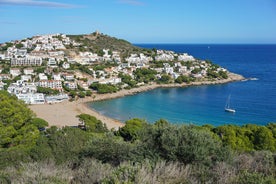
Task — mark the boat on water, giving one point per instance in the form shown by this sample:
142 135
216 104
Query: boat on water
230 110
227 106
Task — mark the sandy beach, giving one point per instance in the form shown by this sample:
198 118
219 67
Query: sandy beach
64 113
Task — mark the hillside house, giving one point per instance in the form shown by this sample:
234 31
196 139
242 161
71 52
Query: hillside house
26 78
32 98
27 61
68 76
53 84
71 85
28 71
2 84
5 76
42 76
21 52
52 62
83 85
21 87
15 72
2 56
56 76
185 57
66 65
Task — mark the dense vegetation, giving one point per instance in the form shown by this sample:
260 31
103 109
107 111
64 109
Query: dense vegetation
16 123
104 88
139 152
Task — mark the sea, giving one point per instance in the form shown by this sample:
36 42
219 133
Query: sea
254 99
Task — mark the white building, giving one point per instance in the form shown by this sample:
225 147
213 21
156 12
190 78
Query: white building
32 98
2 84
83 85
116 56
185 57
28 71
2 56
21 52
42 76
15 72
21 87
66 65
26 78
164 55
56 98
56 76
5 76
52 62
53 84
27 61
68 76
111 81
71 85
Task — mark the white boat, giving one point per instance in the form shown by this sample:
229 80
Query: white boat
230 110
227 106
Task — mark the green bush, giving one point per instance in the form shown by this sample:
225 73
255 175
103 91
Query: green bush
92 124
104 88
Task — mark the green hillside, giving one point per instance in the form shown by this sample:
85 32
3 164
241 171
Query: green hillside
96 42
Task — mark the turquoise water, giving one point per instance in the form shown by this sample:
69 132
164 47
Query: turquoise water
254 100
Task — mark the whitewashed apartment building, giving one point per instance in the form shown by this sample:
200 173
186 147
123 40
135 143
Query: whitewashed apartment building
53 84
26 61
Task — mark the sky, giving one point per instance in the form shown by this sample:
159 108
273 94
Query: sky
143 21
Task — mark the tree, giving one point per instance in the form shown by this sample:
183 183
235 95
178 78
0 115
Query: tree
223 74
16 128
39 123
100 53
6 46
131 130
104 88
144 75
186 144
62 144
127 79
264 139
109 149
182 79
73 94
19 45
88 93
40 69
272 127
81 94
196 70
92 124
235 136
165 79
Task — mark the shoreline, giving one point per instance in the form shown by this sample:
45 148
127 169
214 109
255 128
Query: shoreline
64 113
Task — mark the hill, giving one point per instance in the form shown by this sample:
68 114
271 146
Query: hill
96 42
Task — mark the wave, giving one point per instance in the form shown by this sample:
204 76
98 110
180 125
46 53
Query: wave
251 79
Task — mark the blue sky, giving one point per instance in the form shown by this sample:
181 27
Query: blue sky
143 21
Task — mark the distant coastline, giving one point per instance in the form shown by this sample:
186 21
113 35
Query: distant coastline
64 114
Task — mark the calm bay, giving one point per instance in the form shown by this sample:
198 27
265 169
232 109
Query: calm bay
254 100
